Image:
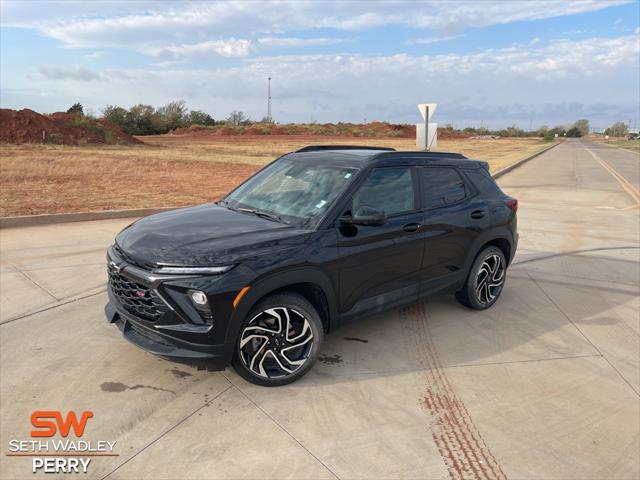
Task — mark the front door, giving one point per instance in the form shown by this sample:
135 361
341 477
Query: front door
379 266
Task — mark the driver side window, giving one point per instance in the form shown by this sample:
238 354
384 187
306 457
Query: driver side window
388 189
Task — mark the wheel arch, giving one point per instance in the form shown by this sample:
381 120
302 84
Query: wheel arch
499 237
309 282
503 244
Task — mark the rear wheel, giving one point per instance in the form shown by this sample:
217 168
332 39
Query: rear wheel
280 340
485 280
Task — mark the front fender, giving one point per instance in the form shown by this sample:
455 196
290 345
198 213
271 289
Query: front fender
275 281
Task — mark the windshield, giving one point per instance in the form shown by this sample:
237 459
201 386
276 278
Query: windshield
291 191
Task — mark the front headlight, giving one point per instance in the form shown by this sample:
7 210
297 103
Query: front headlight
193 270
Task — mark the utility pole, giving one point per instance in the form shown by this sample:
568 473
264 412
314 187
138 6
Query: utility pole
426 130
269 101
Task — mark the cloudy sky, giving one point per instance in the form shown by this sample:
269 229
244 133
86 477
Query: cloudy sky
485 62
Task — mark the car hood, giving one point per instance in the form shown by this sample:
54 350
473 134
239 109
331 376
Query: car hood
205 235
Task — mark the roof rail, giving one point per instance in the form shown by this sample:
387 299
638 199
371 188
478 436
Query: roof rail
317 148
435 154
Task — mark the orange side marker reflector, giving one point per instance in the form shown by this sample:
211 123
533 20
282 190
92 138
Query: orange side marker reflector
239 296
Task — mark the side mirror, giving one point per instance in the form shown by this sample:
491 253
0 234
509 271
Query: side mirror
366 216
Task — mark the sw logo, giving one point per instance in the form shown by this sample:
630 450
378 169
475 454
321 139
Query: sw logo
46 427
48 423
62 454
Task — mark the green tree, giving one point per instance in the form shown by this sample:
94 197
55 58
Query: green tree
582 126
618 129
174 114
541 131
574 132
143 120
198 117
76 108
115 114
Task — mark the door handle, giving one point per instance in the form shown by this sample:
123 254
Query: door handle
411 227
478 214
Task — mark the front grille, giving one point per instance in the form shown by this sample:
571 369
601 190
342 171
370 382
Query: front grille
135 298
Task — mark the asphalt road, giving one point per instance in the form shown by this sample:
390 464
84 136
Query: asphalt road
543 385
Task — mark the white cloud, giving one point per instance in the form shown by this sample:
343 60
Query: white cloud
99 55
223 48
68 72
167 63
141 25
274 42
430 40
236 47
552 81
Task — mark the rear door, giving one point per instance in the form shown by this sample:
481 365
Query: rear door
380 265
453 218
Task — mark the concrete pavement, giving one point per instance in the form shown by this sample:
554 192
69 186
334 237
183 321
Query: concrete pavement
545 384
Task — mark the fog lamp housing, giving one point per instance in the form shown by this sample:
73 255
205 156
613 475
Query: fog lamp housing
198 298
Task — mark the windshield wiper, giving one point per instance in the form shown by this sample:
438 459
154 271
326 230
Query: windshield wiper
263 214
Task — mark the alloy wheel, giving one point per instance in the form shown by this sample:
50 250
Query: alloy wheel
490 279
276 342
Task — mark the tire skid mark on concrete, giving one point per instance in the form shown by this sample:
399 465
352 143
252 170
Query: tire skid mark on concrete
459 442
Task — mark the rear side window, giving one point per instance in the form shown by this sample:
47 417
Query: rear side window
388 189
441 186
484 182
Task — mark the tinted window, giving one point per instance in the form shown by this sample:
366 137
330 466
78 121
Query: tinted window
388 189
442 186
484 182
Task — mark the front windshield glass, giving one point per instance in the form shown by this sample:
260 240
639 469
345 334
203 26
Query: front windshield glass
295 191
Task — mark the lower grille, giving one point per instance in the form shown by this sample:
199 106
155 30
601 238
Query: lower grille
135 298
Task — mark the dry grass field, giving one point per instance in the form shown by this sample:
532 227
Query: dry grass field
176 170
622 142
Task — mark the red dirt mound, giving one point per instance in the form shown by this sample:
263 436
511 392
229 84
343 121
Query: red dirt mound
27 126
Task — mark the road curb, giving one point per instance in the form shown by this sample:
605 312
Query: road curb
50 219
513 166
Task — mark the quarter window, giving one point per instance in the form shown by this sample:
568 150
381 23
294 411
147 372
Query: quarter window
388 189
442 186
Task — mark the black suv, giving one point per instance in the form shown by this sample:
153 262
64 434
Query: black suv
316 238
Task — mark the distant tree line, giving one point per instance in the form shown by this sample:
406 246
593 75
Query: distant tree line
146 120
577 129
618 129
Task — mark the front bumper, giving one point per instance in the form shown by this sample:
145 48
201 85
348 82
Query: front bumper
217 356
173 333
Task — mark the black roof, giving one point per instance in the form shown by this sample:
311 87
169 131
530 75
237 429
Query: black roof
360 155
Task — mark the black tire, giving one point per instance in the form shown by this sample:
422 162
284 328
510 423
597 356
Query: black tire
262 356
473 294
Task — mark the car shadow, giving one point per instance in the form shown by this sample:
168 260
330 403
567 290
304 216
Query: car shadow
540 315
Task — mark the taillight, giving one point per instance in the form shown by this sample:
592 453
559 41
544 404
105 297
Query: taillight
512 203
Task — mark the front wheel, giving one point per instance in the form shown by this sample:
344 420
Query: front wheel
279 341
485 280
